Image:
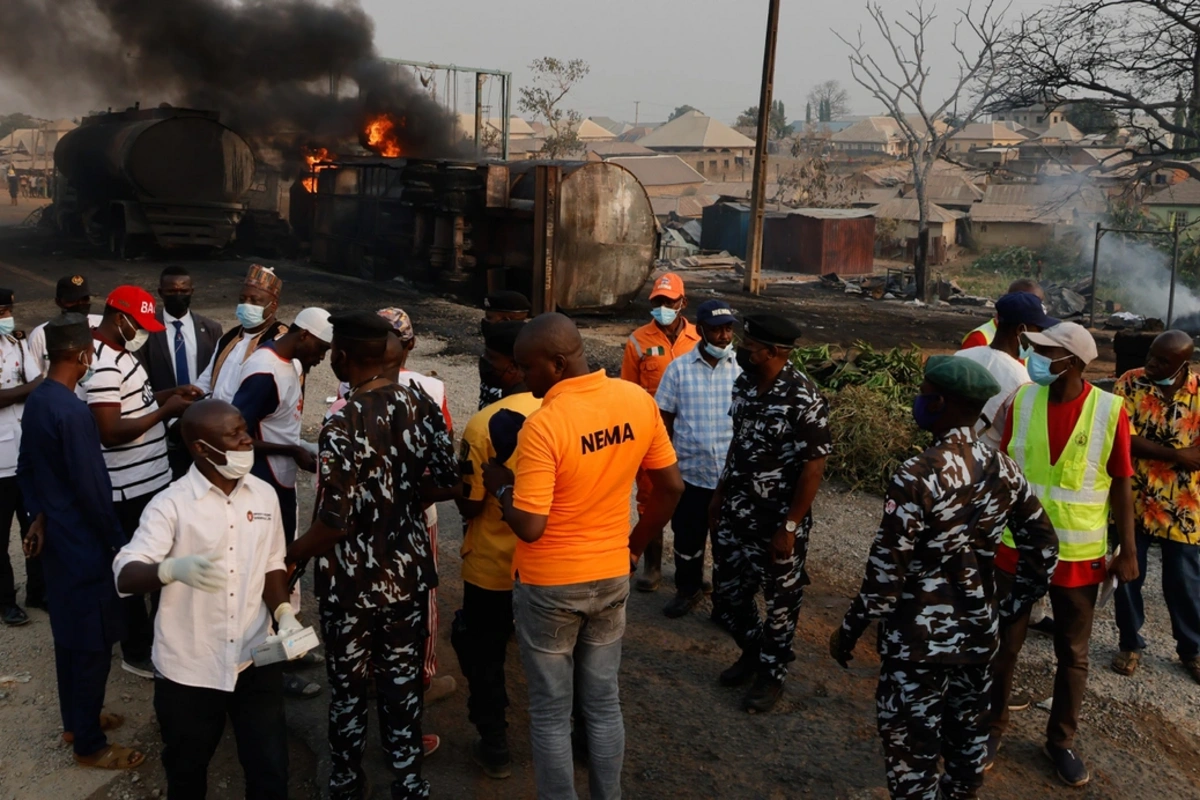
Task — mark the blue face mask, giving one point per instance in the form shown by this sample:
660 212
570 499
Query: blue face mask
251 316
7 326
664 315
1162 382
923 415
1039 369
718 352
1025 353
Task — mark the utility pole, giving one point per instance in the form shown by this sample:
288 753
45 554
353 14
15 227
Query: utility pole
637 107
479 77
753 282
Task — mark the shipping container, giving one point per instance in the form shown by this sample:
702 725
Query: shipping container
817 241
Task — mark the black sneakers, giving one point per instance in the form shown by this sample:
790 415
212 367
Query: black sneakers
682 603
742 671
14 616
763 695
1067 763
493 757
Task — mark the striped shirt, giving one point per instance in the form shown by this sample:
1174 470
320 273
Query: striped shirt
139 467
699 396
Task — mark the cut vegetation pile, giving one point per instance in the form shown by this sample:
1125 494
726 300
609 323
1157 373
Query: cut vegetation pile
870 396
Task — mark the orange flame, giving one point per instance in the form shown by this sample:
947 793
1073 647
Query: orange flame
313 157
381 137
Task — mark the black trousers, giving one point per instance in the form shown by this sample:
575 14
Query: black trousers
192 721
139 621
82 676
35 583
480 635
690 524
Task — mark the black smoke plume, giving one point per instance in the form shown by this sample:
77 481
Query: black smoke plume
266 65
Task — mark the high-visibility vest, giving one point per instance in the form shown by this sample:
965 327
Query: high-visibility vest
1074 491
988 329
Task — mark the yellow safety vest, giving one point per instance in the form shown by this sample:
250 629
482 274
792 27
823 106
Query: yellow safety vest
988 329
1074 491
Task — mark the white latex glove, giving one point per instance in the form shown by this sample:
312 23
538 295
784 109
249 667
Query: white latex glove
199 572
285 619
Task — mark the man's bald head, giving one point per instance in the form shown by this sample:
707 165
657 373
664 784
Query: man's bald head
210 429
1169 352
549 349
1027 285
205 419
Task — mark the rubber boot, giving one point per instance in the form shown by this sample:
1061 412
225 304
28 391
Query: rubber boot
652 566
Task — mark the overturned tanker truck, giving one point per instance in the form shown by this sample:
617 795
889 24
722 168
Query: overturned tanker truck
165 177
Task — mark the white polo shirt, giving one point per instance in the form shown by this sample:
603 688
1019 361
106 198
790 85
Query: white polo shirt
17 367
205 639
37 343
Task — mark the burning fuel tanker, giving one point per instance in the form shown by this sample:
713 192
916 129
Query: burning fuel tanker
171 177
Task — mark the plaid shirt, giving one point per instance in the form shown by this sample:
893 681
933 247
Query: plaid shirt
699 396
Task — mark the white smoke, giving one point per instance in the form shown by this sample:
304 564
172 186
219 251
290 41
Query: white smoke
1141 274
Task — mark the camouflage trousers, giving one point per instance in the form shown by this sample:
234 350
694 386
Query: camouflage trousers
931 711
387 645
747 565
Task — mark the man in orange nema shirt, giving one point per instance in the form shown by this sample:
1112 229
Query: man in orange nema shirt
648 351
568 504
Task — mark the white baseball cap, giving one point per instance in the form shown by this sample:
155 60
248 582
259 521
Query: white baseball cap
1071 336
315 321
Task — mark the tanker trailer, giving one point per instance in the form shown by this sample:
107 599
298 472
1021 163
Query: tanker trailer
171 177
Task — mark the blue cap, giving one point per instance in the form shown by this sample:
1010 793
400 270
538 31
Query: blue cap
503 428
714 313
1023 308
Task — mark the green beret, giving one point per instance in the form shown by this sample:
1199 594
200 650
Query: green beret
961 377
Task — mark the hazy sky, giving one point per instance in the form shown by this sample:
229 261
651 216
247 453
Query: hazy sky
706 53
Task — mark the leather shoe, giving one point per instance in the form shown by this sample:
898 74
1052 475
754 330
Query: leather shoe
682 603
742 671
14 616
763 695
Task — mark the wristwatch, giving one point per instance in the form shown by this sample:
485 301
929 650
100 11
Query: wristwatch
500 492
791 527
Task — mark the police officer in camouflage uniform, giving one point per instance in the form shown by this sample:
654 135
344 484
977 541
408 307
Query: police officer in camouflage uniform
930 583
761 510
382 457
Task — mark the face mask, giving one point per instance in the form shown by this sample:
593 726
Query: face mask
1039 369
251 316
7 326
925 417
1025 353
743 360
664 315
87 376
135 342
177 304
1163 382
237 462
717 352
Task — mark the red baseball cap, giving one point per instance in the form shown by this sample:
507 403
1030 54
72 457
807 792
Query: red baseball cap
669 285
138 304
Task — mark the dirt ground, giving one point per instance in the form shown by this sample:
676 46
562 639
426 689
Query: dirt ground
686 736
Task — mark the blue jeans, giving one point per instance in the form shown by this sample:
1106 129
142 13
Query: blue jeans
1181 590
558 626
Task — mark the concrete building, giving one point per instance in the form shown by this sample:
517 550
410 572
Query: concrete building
978 135
711 147
1038 116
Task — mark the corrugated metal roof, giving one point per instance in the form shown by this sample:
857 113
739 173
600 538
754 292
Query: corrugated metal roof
588 131
1184 193
876 130
995 132
828 213
1084 197
873 197
660 170
689 206
611 125
618 148
950 190
695 131
1063 131
909 211
1041 214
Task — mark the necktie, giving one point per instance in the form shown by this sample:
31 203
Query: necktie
181 364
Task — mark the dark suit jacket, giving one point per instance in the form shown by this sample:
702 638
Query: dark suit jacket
158 355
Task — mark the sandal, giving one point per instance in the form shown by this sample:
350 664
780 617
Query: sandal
295 686
114 756
108 722
1126 662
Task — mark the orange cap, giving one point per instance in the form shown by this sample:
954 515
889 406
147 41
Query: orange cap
669 285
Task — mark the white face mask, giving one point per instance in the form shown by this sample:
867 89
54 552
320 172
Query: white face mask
135 342
237 462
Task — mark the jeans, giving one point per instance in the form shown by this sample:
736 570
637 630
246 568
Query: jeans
139 622
192 720
480 636
1073 609
572 635
690 524
1181 590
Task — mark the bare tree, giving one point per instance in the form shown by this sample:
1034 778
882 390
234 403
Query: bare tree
830 100
928 124
1139 59
552 79
812 184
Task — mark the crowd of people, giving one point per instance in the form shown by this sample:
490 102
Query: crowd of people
151 460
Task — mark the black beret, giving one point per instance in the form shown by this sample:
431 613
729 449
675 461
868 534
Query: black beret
961 377
6 297
771 329
364 326
506 301
68 332
503 428
502 336
72 287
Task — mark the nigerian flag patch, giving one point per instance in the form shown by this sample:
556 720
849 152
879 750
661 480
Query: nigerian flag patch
659 350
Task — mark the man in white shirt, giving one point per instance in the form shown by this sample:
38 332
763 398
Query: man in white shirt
213 543
1017 313
73 295
257 305
19 375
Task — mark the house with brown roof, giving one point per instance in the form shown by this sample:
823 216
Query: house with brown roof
662 175
875 136
943 232
710 146
1032 215
1177 206
950 191
978 135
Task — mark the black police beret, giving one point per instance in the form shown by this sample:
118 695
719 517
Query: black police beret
503 428
6 297
502 336
364 326
771 329
68 332
506 301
